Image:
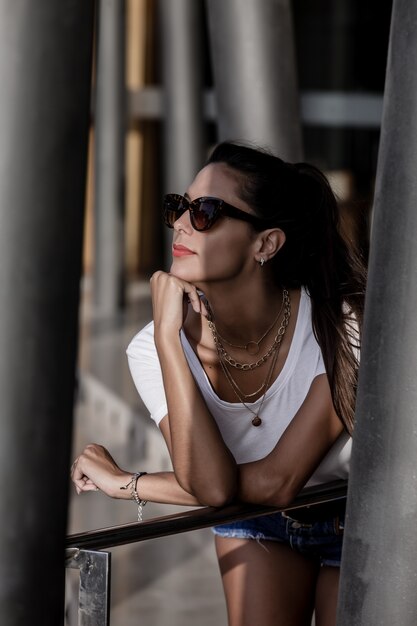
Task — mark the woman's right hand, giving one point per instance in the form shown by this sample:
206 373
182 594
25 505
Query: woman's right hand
170 299
95 469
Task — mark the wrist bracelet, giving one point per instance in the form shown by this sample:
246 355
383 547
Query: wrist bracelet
134 494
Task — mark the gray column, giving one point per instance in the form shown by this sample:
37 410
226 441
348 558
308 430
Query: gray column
255 74
45 71
379 566
109 154
182 68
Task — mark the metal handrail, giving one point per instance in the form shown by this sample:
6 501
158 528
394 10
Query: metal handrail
85 550
198 518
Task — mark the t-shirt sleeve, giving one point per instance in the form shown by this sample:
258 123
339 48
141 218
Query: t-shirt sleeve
146 372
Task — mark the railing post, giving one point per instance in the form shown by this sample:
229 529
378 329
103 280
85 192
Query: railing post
94 590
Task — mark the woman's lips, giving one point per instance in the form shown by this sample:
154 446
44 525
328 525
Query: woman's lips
179 250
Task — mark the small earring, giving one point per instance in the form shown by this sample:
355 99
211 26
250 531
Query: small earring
261 261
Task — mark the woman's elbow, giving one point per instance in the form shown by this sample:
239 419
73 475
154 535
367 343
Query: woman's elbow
274 493
282 496
215 495
218 497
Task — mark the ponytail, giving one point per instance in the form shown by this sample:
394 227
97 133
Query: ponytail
335 278
299 200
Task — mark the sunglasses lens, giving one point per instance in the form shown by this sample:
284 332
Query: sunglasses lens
203 212
173 209
203 215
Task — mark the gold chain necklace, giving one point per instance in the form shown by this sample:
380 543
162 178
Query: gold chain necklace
277 340
238 391
256 421
252 347
276 349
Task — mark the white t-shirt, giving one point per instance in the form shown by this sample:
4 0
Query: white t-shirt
282 400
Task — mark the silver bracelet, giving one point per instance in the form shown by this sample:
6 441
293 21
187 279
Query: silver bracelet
134 494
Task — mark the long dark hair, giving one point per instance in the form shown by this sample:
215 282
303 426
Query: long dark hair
298 199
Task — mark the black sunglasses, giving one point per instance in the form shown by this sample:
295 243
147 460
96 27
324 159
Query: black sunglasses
204 212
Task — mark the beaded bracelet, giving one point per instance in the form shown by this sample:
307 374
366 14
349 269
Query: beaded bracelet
134 494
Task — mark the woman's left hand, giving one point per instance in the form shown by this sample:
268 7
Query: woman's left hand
170 299
95 469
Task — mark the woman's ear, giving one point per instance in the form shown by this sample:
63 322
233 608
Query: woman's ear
269 242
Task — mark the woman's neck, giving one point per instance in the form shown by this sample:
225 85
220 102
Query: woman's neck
242 313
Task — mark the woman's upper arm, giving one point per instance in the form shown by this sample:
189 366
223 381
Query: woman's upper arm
165 430
305 442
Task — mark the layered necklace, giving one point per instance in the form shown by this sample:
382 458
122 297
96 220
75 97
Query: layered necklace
252 347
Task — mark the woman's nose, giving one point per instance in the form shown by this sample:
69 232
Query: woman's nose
183 223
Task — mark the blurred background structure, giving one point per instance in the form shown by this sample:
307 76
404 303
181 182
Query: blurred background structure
302 80
170 79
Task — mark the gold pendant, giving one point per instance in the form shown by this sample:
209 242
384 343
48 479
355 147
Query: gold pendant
256 421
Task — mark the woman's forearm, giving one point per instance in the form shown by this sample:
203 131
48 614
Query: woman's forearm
95 469
162 488
278 477
202 463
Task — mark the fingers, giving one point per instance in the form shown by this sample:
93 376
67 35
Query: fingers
80 480
90 486
95 469
195 299
78 477
161 282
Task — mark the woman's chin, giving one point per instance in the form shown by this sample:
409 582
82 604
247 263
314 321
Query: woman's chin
175 269
179 271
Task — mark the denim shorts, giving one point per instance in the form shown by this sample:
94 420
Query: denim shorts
318 540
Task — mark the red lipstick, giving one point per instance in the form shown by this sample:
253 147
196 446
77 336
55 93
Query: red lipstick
179 250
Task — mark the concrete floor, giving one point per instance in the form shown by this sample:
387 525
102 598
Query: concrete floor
169 581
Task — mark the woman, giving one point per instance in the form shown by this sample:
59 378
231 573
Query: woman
250 369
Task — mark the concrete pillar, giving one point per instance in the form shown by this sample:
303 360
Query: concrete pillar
110 129
182 69
253 56
45 74
379 566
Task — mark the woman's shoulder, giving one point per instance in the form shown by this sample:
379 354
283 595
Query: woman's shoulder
142 343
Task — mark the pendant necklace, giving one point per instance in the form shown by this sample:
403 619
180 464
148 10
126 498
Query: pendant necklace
256 420
225 360
277 340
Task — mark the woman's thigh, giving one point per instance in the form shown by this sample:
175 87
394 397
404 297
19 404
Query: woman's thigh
266 583
326 596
